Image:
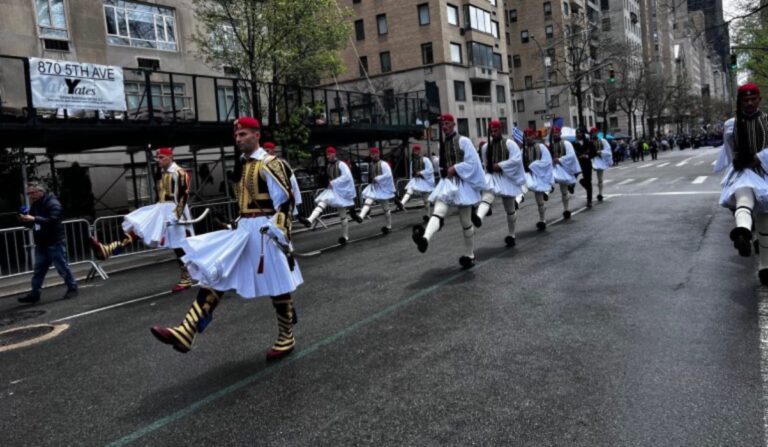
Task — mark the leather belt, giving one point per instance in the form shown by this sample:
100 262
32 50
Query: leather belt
257 214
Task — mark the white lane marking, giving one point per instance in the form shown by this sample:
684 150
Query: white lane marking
102 309
608 180
762 318
622 167
685 162
624 182
663 164
676 180
699 163
645 166
668 193
714 162
648 181
699 180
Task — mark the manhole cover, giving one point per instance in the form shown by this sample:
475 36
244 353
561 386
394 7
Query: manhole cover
29 335
9 318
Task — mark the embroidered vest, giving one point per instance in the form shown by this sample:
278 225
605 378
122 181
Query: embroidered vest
170 186
332 170
750 135
417 164
374 169
494 153
450 154
253 194
558 149
531 154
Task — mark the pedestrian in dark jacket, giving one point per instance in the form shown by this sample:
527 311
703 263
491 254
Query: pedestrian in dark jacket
44 217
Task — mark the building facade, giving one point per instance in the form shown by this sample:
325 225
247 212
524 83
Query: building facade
397 46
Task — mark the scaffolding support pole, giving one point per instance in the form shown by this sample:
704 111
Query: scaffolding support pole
150 177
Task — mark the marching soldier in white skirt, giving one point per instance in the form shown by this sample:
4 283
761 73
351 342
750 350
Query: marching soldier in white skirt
340 194
539 177
254 259
745 184
155 224
565 167
505 175
602 161
422 181
461 181
381 188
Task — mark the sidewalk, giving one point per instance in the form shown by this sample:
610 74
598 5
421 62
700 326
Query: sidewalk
20 284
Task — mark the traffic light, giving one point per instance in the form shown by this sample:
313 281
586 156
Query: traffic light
611 76
733 61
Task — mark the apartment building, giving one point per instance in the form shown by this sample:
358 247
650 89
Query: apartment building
397 46
621 25
537 33
125 33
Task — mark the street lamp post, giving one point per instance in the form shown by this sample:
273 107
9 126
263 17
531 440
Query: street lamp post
545 64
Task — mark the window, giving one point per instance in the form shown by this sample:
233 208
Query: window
547 9
51 19
386 63
551 52
161 95
497 61
605 6
152 64
480 20
524 36
506 36
501 94
381 22
363 66
504 125
509 61
606 24
529 82
423 14
554 101
56 45
459 92
140 25
516 61
614 122
566 9
520 105
226 96
513 15
359 29
453 15
549 31
462 126
426 54
482 55
456 53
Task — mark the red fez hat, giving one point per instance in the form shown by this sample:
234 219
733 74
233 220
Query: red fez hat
165 151
246 122
447 117
530 132
748 89
556 129
330 150
593 131
416 148
268 145
374 150
495 124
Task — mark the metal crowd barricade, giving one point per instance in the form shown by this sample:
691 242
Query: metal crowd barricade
109 229
77 233
17 248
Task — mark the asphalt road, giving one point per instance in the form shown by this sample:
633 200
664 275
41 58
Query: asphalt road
633 324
